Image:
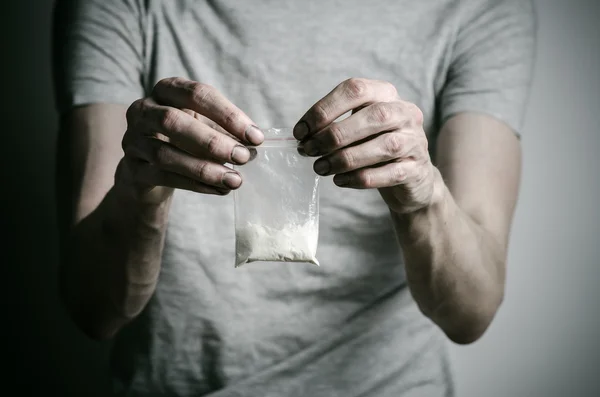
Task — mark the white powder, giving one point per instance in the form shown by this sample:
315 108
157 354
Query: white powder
294 243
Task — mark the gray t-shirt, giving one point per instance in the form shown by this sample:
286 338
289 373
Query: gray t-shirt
349 327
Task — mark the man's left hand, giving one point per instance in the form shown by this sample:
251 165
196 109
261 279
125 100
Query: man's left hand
381 145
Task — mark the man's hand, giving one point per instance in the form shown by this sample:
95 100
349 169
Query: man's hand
116 207
181 137
381 145
453 231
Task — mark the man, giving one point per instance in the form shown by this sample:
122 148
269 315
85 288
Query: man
420 184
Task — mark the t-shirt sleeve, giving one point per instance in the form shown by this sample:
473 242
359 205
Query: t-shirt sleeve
492 62
98 52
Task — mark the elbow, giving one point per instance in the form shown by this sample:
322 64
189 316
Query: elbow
97 335
467 325
466 336
94 330
89 323
80 295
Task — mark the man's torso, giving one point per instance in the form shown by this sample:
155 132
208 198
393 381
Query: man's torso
348 327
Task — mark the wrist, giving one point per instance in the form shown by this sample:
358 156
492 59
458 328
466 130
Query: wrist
436 204
131 214
440 193
134 198
131 191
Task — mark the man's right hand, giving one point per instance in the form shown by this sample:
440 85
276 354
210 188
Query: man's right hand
181 137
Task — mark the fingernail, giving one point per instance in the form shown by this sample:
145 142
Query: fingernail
240 154
322 167
301 130
232 180
253 153
254 135
311 148
302 151
341 180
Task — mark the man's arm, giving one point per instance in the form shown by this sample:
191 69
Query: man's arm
118 174
119 165
452 220
110 243
455 249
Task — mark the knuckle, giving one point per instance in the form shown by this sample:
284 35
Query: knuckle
215 144
176 81
364 179
126 141
200 170
133 110
397 175
142 111
201 92
161 154
382 113
336 135
416 113
162 84
419 117
394 143
320 114
355 88
169 119
230 116
347 159
392 89
167 81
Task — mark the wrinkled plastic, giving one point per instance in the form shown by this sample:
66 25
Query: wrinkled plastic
277 206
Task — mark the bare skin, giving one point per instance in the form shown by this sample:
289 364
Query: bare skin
121 187
452 220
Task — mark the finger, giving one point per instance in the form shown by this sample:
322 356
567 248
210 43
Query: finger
150 175
211 124
391 174
373 119
348 95
188 133
208 122
209 102
168 158
381 149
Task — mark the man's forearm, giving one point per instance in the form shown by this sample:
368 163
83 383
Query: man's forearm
111 263
454 267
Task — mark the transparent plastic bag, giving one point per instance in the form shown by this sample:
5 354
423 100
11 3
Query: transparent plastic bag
277 206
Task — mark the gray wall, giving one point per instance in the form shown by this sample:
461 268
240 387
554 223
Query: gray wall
543 342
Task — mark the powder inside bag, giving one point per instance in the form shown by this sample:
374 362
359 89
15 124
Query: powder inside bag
294 243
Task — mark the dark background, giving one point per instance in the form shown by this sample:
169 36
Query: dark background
46 353
544 341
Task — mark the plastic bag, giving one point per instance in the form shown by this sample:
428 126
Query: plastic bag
277 206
